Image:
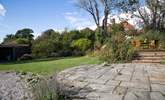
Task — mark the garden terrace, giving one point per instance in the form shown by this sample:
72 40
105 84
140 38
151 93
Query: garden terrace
113 82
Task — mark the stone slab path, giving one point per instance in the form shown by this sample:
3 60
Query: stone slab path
114 82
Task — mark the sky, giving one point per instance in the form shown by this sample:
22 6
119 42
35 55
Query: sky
41 15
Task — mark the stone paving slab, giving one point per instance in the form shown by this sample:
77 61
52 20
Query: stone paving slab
114 82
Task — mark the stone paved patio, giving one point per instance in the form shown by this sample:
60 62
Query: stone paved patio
114 82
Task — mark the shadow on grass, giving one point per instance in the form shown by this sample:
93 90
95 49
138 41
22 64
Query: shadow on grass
34 60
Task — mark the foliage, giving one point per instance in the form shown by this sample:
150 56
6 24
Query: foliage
118 49
42 48
88 34
82 44
116 28
24 33
153 35
99 37
46 44
22 41
9 39
67 39
54 44
45 89
151 12
97 9
23 36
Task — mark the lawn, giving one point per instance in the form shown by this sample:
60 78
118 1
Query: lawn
48 66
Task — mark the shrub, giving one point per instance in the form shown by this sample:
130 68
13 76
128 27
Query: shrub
43 48
118 49
26 57
22 41
82 44
78 53
46 44
153 35
65 53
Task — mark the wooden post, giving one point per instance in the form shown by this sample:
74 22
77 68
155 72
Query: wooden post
13 54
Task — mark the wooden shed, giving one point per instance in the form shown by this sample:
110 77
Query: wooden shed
13 52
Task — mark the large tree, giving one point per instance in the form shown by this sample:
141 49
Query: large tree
9 39
25 33
152 12
98 9
47 44
23 36
107 7
92 7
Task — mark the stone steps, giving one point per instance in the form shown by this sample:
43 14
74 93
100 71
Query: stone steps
147 61
149 57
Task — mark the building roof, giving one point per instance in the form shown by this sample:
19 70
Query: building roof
13 45
127 26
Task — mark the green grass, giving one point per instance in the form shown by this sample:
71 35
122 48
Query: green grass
48 66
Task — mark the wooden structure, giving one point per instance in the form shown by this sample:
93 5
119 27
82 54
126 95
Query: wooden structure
13 52
153 44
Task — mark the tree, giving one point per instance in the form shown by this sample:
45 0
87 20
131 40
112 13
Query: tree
95 8
42 48
88 33
9 39
92 7
82 44
46 44
25 33
107 6
23 36
152 12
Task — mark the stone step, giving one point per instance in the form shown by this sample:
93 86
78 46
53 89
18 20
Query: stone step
147 61
151 54
150 58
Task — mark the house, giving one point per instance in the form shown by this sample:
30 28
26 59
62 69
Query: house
11 52
127 26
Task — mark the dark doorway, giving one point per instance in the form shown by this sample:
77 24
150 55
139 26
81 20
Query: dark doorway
5 54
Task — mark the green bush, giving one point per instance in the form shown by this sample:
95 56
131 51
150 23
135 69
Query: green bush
118 49
54 44
47 44
82 44
22 41
153 35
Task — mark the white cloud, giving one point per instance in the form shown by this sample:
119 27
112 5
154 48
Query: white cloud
79 21
2 10
58 30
